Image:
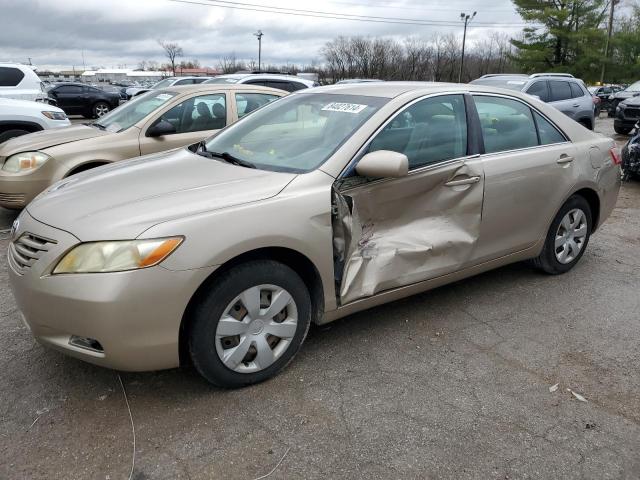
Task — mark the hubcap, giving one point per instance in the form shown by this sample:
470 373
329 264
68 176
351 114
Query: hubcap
570 237
101 110
256 328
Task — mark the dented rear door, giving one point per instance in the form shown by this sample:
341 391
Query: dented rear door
390 233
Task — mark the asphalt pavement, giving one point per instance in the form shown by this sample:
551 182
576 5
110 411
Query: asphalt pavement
453 383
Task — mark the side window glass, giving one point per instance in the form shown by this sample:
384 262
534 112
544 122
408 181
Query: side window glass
262 83
548 133
606 91
248 102
10 77
429 131
286 86
506 124
184 82
69 89
540 90
576 91
208 112
559 90
297 86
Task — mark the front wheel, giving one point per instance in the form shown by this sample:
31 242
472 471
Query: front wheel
567 237
622 130
250 324
100 109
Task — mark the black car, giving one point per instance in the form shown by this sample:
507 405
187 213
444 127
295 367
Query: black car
115 89
627 114
80 99
617 97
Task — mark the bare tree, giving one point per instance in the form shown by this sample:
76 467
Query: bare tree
172 50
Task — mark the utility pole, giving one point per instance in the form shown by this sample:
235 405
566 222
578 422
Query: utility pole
466 18
606 44
259 34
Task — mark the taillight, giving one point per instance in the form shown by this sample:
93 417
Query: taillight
615 155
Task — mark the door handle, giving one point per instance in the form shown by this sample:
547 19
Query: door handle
463 181
564 158
576 105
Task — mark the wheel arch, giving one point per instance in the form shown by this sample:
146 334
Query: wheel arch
20 125
593 199
87 165
295 260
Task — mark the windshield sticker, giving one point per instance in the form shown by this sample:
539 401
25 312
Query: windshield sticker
163 96
344 107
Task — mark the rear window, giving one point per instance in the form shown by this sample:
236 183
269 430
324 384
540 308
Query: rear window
10 77
559 90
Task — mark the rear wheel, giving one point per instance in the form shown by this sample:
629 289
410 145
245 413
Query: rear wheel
16 132
250 324
567 237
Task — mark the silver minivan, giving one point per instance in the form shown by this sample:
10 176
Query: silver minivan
561 90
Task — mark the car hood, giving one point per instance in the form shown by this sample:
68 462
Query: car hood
624 94
631 102
122 200
49 138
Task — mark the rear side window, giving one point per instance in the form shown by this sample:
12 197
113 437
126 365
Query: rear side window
506 124
187 81
559 90
429 131
262 83
10 77
540 90
548 133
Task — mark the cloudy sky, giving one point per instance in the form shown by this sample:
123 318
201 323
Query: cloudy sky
118 33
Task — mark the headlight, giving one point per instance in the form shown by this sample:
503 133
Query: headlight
117 256
55 115
24 161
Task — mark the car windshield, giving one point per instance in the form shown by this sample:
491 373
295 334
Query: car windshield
592 89
297 133
163 83
133 111
634 87
512 83
223 80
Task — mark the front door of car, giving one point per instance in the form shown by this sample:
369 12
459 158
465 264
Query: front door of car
529 169
393 232
193 119
69 98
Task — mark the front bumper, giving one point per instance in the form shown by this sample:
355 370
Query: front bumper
135 316
16 190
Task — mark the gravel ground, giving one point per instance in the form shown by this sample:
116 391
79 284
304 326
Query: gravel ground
453 383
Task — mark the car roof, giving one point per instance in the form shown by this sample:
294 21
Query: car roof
389 89
208 87
273 76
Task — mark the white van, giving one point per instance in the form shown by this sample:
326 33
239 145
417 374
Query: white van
21 83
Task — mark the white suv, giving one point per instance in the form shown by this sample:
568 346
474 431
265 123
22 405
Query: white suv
20 82
289 83
19 117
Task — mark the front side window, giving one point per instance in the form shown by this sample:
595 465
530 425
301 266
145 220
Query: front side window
187 81
10 77
134 110
506 124
248 102
576 91
429 131
540 90
559 90
69 89
298 133
205 112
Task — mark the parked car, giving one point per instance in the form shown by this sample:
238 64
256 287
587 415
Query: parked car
150 123
20 82
631 155
290 83
561 90
81 99
121 91
19 117
603 92
167 82
631 91
627 115
357 80
316 206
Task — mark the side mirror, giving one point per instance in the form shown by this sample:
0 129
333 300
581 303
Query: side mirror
161 128
382 164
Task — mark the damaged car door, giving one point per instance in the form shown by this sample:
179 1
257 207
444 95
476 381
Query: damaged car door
393 232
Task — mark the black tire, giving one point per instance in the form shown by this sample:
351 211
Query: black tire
201 330
98 106
8 134
547 261
622 130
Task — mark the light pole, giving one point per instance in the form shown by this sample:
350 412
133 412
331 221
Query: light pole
466 18
259 34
